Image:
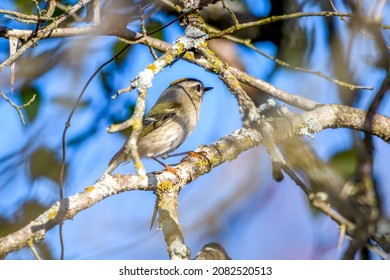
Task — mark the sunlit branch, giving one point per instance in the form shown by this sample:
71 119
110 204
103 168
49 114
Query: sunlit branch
249 44
18 107
224 150
42 33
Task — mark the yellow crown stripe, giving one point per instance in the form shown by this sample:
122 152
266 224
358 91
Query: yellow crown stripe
182 80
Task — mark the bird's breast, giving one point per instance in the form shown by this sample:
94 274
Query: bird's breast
166 138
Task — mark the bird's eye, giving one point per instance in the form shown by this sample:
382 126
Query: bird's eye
198 88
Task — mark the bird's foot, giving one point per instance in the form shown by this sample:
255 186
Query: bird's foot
167 168
200 155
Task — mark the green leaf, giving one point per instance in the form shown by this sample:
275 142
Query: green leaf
69 101
118 46
152 26
345 162
25 213
26 7
119 118
27 93
44 163
106 79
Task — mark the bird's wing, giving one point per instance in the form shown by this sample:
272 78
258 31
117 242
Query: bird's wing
156 118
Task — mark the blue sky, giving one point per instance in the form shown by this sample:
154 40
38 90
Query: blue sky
267 220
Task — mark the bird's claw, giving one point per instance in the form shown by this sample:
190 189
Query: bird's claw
202 155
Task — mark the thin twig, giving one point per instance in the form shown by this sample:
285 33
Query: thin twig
379 252
66 8
296 179
272 19
343 230
30 244
13 46
131 37
68 122
249 44
32 18
294 100
297 68
320 201
144 33
18 107
246 105
383 26
42 33
232 15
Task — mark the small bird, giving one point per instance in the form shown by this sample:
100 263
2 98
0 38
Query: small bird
212 251
170 121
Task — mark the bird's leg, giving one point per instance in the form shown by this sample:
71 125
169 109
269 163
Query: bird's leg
200 155
167 167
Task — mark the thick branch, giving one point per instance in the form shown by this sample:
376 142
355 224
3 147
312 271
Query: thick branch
337 116
226 149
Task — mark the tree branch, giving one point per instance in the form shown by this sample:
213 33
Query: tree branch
131 37
224 150
18 107
42 33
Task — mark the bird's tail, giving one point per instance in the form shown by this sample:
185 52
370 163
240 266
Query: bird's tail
112 166
114 162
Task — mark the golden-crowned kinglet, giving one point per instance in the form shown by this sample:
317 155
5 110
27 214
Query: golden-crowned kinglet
212 251
170 121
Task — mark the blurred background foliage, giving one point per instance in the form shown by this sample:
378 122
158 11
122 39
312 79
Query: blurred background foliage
250 207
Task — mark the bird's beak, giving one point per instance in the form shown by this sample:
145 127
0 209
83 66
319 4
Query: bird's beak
207 89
